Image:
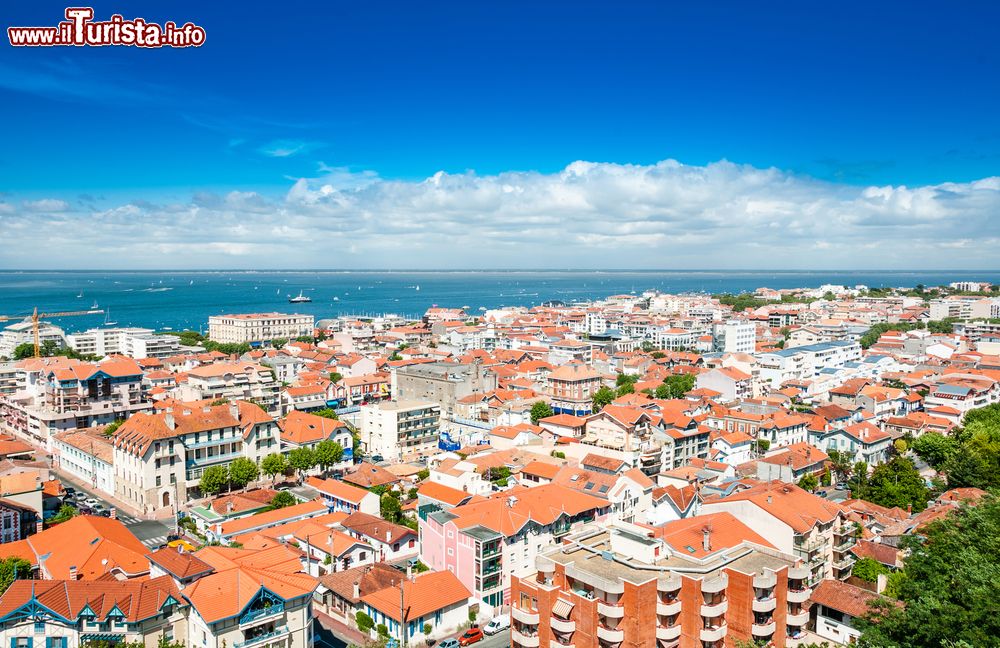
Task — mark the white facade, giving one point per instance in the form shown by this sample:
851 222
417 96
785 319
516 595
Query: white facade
259 327
736 336
401 431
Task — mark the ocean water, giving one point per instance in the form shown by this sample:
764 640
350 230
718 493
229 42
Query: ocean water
185 299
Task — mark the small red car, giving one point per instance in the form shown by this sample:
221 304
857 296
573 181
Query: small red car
471 636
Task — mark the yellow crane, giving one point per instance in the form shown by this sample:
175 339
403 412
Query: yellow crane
36 316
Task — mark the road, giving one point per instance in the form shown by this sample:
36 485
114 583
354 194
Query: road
152 533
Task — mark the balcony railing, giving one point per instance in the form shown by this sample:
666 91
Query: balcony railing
260 614
280 631
526 640
529 617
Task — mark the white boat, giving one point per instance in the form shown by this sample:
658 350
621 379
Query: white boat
418 287
301 299
80 296
94 306
107 320
336 299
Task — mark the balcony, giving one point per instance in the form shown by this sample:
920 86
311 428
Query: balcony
798 573
712 610
713 634
528 641
715 585
280 631
565 626
668 609
610 610
555 644
845 563
609 635
763 629
490 568
253 617
524 616
765 605
766 580
668 634
799 619
490 552
671 583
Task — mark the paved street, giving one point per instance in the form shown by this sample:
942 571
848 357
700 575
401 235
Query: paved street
152 533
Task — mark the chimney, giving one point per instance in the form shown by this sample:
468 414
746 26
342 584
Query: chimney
72 572
770 500
168 418
409 571
234 409
113 513
229 507
388 536
909 509
206 409
39 526
706 539
357 589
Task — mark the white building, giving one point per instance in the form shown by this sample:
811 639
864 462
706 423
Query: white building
735 336
87 455
806 362
15 335
133 342
401 431
259 327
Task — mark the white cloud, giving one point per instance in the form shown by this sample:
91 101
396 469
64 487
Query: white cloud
287 148
589 215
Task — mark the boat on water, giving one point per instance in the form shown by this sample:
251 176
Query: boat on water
336 299
301 299
94 306
107 318
417 287
80 296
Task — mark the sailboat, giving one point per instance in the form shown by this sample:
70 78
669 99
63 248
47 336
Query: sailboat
80 296
418 287
94 306
107 318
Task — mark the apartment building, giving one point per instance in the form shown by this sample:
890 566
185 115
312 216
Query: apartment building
441 382
401 431
806 362
88 455
735 336
15 335
259 327
58 394
487 542
731 383
130 341
798 523
571 388
245 381
159 458
702 581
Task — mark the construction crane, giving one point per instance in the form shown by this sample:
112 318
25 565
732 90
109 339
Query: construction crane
36 316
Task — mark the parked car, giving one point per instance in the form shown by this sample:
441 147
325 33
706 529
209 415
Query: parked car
448 643
91 502
842 486
471 636
497 624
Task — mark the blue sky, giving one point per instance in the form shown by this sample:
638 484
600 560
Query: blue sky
371 99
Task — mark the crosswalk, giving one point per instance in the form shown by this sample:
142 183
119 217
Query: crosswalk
155 542
126 519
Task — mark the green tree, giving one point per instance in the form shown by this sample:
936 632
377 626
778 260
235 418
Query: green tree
364 622
896 483
328 413
242 471
390 509
11 569
282 500
335 377
675 386
762 445
23 351
64 513
840 462
627 388
274 464
603 396
934 448
808 482
301 459
869 569
540 410
949 588
423 474
113 427
499 475
328 453
213 480
277 343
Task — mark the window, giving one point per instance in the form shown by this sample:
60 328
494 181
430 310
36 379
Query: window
158 480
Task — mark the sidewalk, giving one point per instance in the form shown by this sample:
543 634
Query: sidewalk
79 484
351 636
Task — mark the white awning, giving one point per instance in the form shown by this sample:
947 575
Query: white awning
562 608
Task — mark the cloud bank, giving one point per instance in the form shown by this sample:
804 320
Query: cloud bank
589 215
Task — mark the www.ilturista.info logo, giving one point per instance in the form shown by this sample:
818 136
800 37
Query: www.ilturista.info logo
79 30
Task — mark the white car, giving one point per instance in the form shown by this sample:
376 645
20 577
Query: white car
498 624
91 502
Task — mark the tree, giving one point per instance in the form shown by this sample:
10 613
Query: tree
603 396
896 483
11 569
540 410
499 475
423 474
626 379
840 462
328 453
64 513
242 471
365 622
277 343
213 480
934 448
762 445
23 351
627 388
677 386
335 377
808 482
274 464
949 574
869 569
558 454
327 413
283 499
301 459
390 509
113 427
